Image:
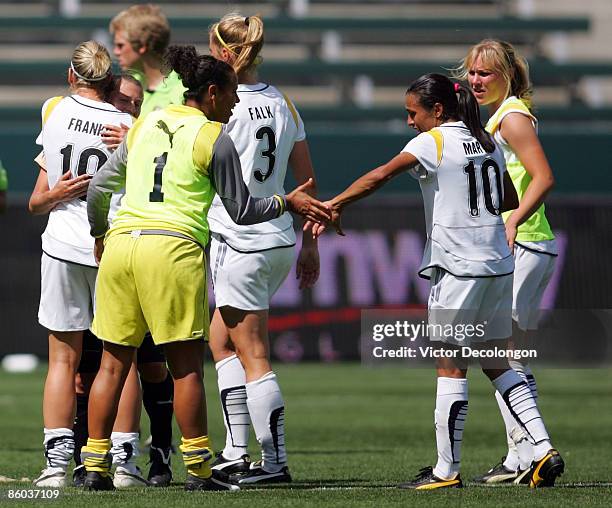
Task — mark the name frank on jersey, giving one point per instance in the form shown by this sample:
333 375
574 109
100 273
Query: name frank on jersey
85 126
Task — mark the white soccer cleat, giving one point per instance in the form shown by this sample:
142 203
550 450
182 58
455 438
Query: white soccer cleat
128 476
52 477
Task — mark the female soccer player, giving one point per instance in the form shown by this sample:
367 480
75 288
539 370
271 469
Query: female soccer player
73 151
141 34
465 188
499 78
249 263
152 274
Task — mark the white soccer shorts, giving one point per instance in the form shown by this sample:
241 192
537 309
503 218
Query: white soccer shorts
247 281
532 273
475 309
66 295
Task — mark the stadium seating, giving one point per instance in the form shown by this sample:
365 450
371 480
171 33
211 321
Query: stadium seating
345 63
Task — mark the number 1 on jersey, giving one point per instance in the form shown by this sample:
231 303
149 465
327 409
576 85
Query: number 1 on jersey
156 195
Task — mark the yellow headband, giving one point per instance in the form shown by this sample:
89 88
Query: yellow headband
222 41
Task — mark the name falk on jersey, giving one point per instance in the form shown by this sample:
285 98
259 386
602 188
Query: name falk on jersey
260 112
85 126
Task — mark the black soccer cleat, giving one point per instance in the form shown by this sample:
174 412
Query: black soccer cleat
217 481
257 474
427 480
498 474
235 466
160 472
544 472
78 475
95 481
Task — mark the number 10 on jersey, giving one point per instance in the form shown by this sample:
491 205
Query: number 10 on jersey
487 191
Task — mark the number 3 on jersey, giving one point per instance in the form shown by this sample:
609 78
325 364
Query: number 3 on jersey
268 153
487 191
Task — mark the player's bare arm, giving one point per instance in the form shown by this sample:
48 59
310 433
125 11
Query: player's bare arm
520 134
308 264
366 185
44 199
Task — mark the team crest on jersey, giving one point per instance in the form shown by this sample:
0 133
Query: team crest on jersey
162 125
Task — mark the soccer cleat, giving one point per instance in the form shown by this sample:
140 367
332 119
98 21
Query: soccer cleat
498 474
95 481
523 477
127 476
257 474
545 471
218 480
54 477
160 473
78 475
427 480
231 466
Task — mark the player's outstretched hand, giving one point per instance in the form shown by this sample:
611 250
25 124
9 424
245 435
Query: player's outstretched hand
307 206
317 229
307 267
68 188
113 135
99 249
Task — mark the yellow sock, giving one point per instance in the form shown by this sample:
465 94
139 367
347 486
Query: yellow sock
95 455
197 453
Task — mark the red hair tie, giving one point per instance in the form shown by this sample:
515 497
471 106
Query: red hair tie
457 87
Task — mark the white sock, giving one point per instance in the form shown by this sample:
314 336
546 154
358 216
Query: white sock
520 450
267 411
59 447
522 406
126 447
231 379
449 417
511 461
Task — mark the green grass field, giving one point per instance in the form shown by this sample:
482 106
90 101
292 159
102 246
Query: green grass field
352 434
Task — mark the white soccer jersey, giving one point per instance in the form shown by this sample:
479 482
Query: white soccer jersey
71 140
462 189
264 127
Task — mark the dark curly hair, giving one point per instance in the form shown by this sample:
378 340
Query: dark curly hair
198 72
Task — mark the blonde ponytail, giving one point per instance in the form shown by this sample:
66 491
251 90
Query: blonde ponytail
241 36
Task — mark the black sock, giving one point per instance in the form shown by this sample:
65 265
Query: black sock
80 426
157 399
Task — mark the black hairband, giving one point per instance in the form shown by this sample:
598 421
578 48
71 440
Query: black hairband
246 21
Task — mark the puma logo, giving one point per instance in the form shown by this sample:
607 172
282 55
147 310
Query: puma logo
162 125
